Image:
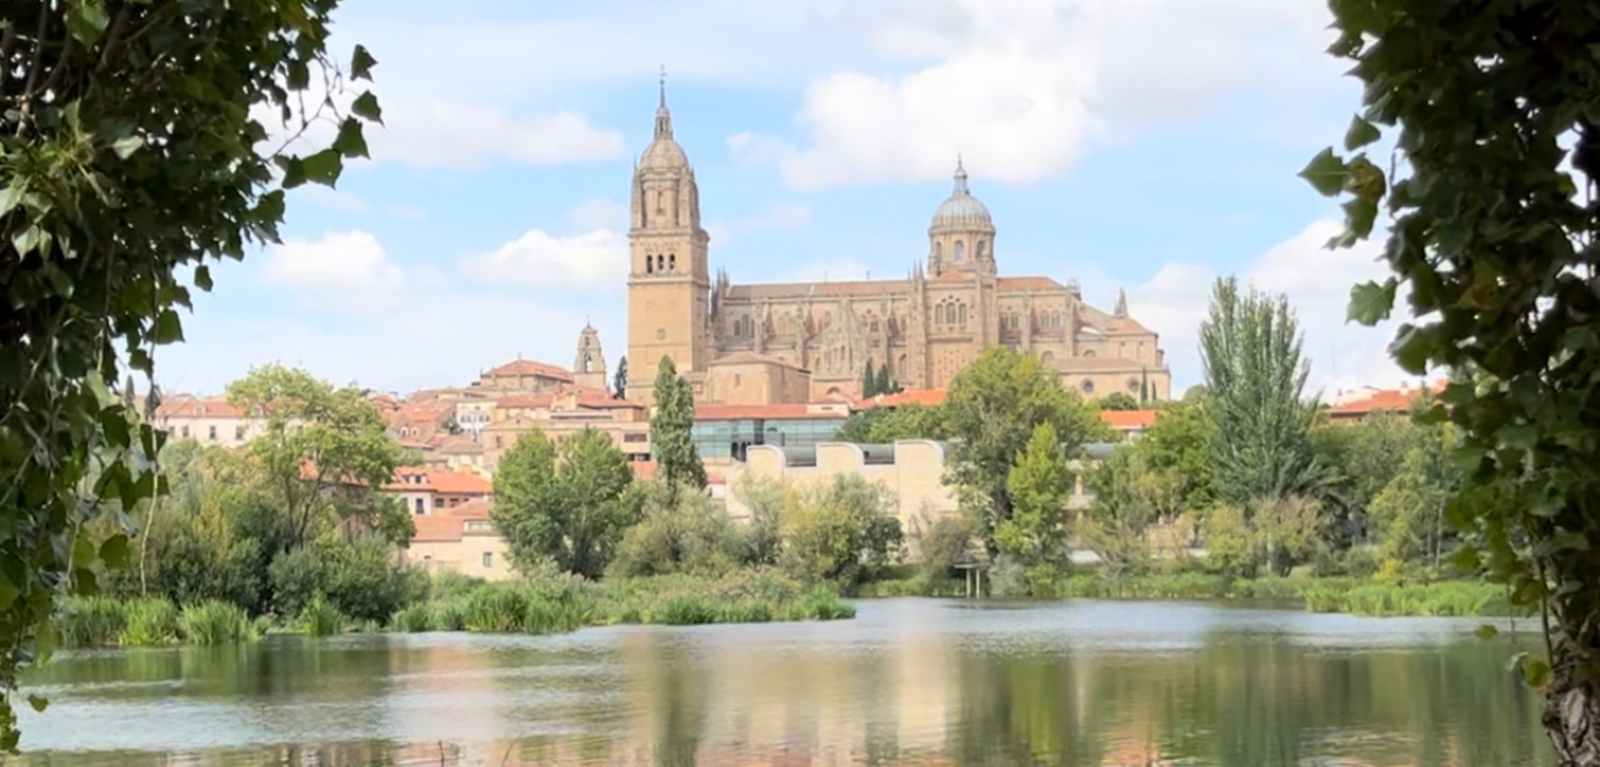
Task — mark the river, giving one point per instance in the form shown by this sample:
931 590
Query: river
909 682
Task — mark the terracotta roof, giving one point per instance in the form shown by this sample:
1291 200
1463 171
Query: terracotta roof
1129 419
1398 400
746 358
438 528
186 406
416 478
738 412
477 508
592 399
530 368
820 289
461 444
911 397
1121 326
1018 284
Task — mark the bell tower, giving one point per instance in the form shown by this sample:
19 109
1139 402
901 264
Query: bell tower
589 366
669 277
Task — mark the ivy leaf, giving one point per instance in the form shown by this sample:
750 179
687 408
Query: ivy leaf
87 21
1371 303
114 552
366 107
115 426
350 142
126 146
323 167
139 360
168 328
361 64
1326 173
1486 632
1360 134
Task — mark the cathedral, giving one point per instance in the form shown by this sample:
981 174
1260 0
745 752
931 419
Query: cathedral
809 342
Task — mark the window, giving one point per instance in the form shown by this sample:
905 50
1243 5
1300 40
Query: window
488 559
185 431
672 262
635 437
498 441
938 252
417 503
982 249
238 434
963 308
1133 385
1088 386
649 265
961 252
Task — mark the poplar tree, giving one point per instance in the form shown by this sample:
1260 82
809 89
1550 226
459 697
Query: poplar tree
671 429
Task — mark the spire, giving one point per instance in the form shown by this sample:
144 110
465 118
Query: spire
1121 312
961 179
663 117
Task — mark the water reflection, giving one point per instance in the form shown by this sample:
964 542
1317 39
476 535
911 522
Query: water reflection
908 683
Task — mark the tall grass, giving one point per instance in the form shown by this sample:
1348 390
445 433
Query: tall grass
742 596
89 621
413 618
150 621
1445 598
529 607
216 623
320 618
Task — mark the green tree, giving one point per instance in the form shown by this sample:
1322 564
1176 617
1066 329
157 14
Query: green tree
681 531
1496 248
992 408
1255 379
131 147
886 425
839 531
322 454
619 380
672 430
568 504
1039 485
1178 444
886 384
1128 498
1118 401
869 381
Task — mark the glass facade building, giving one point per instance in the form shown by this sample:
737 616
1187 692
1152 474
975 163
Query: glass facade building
730 438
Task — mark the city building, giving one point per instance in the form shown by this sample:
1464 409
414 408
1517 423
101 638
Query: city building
461 539
804 342
428 491
211 420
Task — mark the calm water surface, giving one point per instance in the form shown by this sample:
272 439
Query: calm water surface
909 682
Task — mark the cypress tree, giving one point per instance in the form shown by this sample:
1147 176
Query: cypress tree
886 385
869 383
671 429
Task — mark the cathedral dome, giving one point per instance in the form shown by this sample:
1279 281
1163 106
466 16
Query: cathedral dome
663 154
961 210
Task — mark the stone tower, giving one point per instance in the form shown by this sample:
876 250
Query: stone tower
669 279
589 366
961 237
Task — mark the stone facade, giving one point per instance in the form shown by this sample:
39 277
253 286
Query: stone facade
926 327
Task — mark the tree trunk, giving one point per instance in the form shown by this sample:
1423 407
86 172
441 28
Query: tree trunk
1572 718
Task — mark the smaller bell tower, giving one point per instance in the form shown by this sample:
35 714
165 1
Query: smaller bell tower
589 366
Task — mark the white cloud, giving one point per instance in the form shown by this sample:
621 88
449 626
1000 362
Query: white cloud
348 261
599 213
324 197
462 136
781 216
1317 282
1022 87
596 259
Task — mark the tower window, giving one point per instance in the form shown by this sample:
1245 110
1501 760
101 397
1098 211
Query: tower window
963 310
938 251
661 263
961 251
982 249
672 262
649 265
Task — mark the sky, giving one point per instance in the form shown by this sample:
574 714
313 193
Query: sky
1139 145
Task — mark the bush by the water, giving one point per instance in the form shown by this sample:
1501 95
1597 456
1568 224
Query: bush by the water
216 623
320 618
150 621
90 621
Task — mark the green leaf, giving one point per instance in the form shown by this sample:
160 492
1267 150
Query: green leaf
1486 632
1466 558
39 703
1360 215
11 195
1371 303
115 425
366 107
361 64
168 328
8 592
139 360
1360 134
115 551
350 142
87 21
1535 672
1326 173
84 582
323 167
82 551
126 146
1411 349
294 171
202 277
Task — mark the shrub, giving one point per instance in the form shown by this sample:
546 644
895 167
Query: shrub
531 607
215 623
89 622
413 618
298 578
150 621
682 532
839 531
366 583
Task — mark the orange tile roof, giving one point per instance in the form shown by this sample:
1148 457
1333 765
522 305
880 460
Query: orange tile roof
644 469
1129 419
530 368
449 482
1124 326
1398 400
438 528
477 508
187 406
737 412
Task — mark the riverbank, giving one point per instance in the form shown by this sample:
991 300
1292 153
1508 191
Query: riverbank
1355 596
542 605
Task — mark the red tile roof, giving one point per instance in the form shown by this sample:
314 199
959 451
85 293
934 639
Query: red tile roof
1126 420
1398 400
529 368
418 479
644 469
186 406
438 528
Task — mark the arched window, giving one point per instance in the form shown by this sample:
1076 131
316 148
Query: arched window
661 202
938 251
661 263
649 265
963 310
961 251
900 368
1133 385
588 363
672 262
1089 353
1055 319
982 249
1088 386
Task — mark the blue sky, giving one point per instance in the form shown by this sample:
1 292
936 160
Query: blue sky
1146 145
